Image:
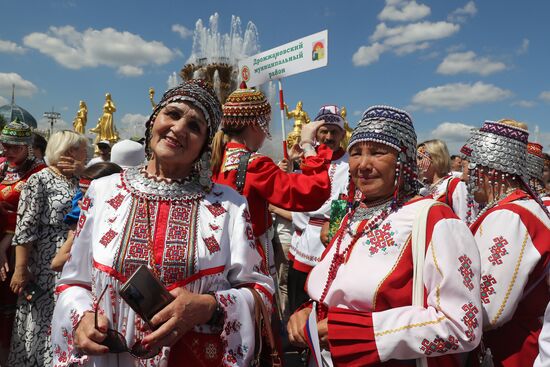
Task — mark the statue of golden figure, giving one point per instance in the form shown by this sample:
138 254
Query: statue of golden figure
300 118
105 128
152 97
348 129
79 122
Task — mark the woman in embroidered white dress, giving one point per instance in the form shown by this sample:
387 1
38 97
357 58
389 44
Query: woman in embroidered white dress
513 236
363 285
434 168
195 236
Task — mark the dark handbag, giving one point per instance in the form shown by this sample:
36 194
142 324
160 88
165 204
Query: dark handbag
265 349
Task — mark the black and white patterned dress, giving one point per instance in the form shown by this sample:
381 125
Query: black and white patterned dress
44 201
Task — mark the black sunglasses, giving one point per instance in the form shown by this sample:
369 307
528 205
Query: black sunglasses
116 342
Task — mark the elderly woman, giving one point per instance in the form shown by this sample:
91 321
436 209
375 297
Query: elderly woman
512 234
40 231
190 233
16 141
377 321
434 166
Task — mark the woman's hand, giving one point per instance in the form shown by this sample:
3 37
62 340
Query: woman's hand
284 165
180 316
295 153
70 166
324 233
322 329
295 327
309 132
87 338
5 244
20 278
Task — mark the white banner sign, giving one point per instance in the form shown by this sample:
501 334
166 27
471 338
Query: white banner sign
295 57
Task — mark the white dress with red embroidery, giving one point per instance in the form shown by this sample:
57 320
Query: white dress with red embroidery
307 249
371 320
514 244
453 192
202 242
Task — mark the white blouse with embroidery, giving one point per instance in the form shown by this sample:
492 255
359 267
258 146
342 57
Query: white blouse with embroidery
203 242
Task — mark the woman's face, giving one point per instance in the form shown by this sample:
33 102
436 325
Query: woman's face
178 135
15 153
255 138
79 153
424 163
372 168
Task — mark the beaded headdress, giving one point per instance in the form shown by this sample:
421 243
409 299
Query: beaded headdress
17 133
331 115
392 127
201 95
501 147
535 161
246 107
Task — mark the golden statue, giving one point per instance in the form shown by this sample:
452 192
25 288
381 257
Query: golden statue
151 97
300 118
105 128
79 122
348 129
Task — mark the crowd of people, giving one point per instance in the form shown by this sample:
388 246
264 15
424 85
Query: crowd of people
398 253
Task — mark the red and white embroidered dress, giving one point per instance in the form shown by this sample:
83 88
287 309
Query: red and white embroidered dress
267 184
514 244
306 248
200 241
453 192
371 320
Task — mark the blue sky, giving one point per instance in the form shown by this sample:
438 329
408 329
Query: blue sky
451 64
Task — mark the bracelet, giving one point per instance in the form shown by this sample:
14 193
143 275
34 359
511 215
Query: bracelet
218 315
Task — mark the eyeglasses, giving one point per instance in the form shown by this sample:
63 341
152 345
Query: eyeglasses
116 342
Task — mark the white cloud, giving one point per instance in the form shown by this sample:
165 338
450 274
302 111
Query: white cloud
524 103
3 101
92 48
357 113
129 70
462 14
469 62
403 11
407 49
524 46
10 47
182 31
458 95
545 96
367 55
23 87
414 32
452 131
132 124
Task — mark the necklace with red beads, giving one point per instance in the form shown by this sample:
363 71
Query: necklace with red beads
364 226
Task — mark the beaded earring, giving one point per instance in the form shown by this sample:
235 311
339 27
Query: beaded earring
202 173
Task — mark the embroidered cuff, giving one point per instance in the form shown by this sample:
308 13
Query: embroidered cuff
351 338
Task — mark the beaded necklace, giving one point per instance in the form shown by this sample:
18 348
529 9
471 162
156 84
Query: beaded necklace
433 187
364 226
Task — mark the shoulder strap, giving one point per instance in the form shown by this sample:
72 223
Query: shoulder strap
418 254
241 171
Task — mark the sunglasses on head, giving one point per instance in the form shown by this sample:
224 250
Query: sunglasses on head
116 342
